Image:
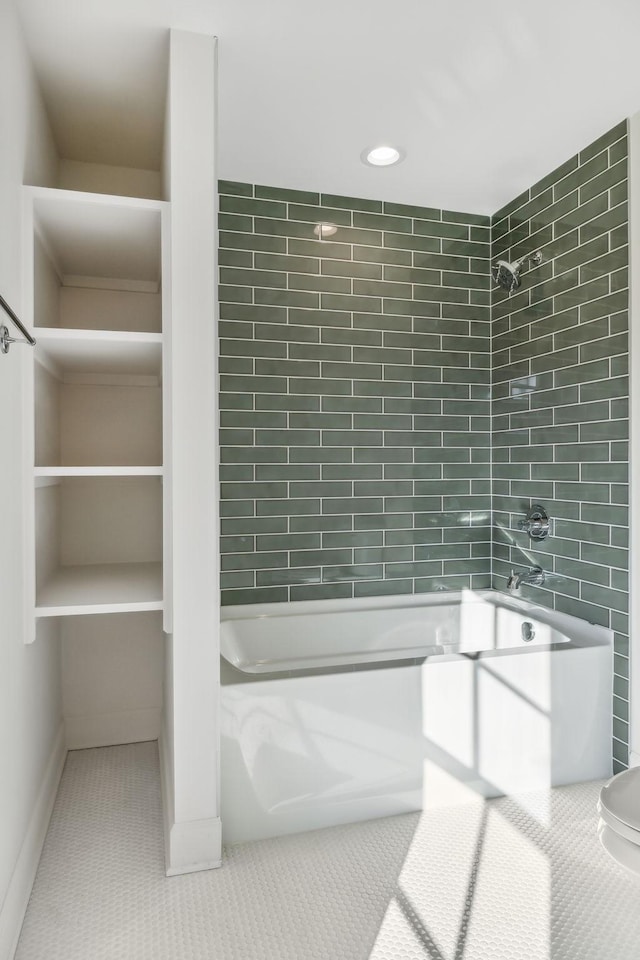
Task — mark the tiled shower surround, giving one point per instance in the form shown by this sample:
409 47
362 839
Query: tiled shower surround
356 372
355 409
560 395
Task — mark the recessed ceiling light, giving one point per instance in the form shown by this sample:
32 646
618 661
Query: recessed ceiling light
382 156
325 230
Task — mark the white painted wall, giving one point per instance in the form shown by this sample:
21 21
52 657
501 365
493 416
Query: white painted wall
191 748
100 178
111 678
462 92
31 741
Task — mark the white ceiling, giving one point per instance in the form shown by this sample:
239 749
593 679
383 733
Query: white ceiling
485 96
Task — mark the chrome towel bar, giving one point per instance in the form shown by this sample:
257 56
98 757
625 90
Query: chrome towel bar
5 339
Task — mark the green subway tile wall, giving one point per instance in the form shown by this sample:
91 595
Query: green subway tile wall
362 373
560 349
355 397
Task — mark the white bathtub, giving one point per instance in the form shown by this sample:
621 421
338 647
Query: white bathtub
340 711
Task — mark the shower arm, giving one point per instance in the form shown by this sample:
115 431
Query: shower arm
5 339
535 258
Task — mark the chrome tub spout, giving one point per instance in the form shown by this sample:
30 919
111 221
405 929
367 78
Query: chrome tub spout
534 577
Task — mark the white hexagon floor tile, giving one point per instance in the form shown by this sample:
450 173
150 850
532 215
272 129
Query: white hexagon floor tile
510 879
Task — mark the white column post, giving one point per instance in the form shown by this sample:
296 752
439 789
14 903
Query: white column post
191 759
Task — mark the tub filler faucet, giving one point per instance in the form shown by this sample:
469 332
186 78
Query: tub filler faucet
535 577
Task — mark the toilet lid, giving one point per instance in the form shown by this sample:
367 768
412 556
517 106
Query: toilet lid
633 836
621 797
626 854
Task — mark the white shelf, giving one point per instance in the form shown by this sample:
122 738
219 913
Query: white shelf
101 588
73 355
47 475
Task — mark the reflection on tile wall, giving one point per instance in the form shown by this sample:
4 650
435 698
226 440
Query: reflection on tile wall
560 395
354 397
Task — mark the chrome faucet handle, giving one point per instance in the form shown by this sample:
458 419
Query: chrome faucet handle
536 523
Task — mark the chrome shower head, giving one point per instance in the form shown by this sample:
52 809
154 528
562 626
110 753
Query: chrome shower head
507 275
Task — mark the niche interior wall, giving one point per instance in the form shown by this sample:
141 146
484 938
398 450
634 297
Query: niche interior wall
560 359
355 397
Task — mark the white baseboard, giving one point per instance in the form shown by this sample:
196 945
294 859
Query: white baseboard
109 729
194 845
19 890
190 846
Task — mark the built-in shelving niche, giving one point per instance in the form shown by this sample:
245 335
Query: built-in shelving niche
98 545
112 669
97 262
97 385
95 516
98 399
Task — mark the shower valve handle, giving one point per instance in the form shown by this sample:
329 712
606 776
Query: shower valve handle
536 523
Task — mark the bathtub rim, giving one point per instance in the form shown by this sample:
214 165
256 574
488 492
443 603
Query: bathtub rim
578 632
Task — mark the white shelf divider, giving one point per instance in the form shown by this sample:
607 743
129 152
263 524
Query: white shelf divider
44 476
101 588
